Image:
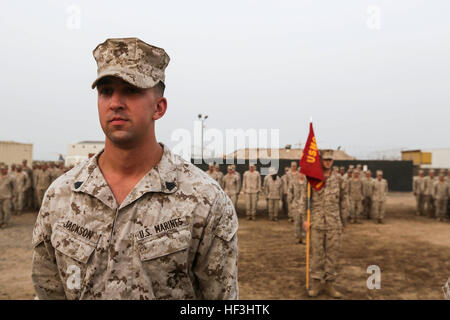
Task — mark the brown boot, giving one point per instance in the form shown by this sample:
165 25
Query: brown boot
331 290
315 289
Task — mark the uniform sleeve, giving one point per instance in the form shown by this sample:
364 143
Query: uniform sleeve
217 257
44 272
343 203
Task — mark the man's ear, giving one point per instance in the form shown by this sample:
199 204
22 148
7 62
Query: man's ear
161 107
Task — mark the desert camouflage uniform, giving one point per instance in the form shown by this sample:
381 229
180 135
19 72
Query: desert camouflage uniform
14 203
419 191
219 177
368 195
380 190
355 191
251 186
273 190
290 176
213 175
296 191
440 193
6 195
43 181
173 237
21 187
429 200
231 187
328 207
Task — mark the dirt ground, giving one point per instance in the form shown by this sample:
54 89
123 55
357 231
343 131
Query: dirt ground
412 252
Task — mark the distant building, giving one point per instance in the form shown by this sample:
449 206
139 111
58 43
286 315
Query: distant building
15 152
429 158
83 150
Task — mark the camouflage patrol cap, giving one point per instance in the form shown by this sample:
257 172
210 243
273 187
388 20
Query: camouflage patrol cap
379 172
351 166
233 167
217 166
132 60
326 154
293 163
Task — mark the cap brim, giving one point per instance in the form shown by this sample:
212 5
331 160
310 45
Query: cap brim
133 79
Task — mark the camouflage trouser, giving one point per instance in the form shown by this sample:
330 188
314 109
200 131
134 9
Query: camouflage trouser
20 201
429 205
273 207
233 198
298 225
290 210
40 196
420 201
325 246
355 209
251 203
378 209
367 207
5 211
441 208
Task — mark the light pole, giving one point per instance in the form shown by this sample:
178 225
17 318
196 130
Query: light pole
202 119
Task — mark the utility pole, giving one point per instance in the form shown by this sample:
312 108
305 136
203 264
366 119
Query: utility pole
202 119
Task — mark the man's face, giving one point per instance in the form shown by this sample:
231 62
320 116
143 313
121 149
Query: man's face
44 167
368 174
293 167
4 172
327 164
342 171
252 168
431 174
230 171
127 113
379 176
420 174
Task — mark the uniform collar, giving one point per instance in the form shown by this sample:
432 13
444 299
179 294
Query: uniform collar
161 178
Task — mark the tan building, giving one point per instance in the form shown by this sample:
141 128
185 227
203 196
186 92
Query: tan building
15 152
82 150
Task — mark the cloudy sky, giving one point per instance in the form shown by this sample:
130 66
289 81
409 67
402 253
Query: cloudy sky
373 75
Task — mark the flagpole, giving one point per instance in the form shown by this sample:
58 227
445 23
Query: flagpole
308 219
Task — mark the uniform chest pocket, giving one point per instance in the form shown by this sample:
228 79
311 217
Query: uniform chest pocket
75 247
162 245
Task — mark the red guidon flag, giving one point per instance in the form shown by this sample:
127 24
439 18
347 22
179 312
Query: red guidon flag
310 164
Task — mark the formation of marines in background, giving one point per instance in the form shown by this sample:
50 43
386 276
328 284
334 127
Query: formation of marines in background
366 195
23 188
432 194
